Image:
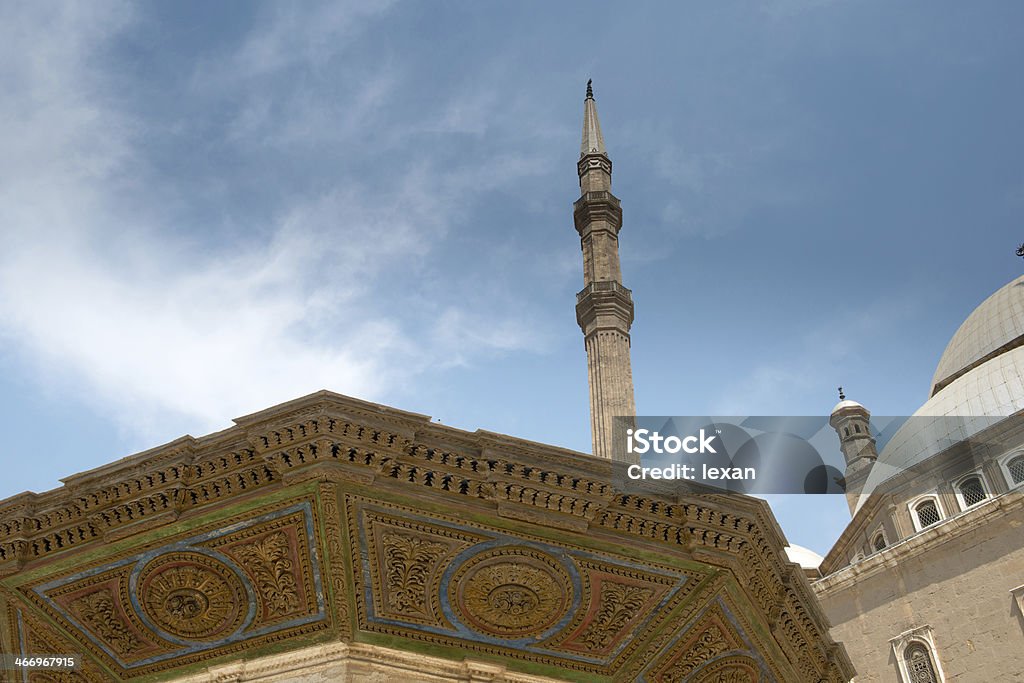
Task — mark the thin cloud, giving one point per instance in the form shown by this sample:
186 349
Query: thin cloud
154 326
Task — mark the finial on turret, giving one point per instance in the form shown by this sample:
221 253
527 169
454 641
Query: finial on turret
842 396
590 88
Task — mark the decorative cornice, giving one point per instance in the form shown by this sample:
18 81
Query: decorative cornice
335 438
925 540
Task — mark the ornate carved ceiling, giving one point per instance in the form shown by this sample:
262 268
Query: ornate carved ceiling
331 519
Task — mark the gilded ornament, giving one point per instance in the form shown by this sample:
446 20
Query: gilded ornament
192 596
96 610
512 592
620 603
409 562
268 560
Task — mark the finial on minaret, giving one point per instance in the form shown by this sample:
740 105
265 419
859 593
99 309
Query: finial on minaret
842 396
590 88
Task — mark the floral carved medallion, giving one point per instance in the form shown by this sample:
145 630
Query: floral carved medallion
512 592
192 596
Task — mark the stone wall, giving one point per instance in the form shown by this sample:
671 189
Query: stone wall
955 578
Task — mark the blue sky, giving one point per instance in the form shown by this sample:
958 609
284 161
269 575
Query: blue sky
206 209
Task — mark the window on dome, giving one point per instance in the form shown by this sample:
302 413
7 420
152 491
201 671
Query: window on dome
971 491
1016 469
879 542
927 513
919 664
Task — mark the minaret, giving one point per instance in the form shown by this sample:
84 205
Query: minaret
852 423
604 308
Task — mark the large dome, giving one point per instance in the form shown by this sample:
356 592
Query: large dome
973 402
979 381
995 327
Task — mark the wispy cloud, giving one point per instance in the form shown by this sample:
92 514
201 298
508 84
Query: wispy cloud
286 34
156 326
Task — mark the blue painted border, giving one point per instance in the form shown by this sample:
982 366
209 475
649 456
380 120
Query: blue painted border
191 647
751 652
21 645
499 539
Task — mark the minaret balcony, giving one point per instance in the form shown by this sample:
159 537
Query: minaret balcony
604 286
597 210
604 305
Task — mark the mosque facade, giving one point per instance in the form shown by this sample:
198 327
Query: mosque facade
926 583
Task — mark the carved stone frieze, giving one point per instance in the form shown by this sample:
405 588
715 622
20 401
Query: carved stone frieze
97 611
248 581
408 563
511 592
413 517
409 559
712 647
269 561
100 605
620 604
37 638
336 559
192 596
729 670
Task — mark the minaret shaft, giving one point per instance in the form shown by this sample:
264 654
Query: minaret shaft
604 307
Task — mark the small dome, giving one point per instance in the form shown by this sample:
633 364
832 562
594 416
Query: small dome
995 327
847 403
805 557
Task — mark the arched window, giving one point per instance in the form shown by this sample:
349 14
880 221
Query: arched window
1016 469
927 513
879 542
919 664
971 491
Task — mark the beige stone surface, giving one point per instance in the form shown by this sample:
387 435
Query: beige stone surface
357 663
955 578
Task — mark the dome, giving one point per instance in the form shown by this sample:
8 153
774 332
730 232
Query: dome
974 401
847 403
995 327
805 557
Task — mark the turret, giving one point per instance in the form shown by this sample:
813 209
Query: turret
852 423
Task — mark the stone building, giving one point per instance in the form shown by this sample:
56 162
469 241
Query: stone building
926 584
329 538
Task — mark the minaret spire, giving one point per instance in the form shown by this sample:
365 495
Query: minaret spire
593 141
604 308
